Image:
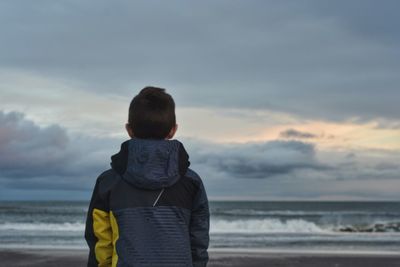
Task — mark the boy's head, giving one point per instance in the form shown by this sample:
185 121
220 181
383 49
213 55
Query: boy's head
152 115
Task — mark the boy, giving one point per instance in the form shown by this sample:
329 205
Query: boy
149 209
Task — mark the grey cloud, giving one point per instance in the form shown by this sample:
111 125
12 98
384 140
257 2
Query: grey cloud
26 149
293 133
364 171
47 157
261 160
295 57
293 170
293 160
364 17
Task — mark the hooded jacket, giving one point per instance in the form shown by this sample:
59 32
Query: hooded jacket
149 209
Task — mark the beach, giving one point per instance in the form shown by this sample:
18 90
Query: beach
74 257
295 234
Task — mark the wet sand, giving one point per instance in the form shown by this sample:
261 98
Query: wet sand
76 258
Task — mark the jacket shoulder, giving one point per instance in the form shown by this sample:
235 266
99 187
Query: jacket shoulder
195 179
200 197
193 175
107 180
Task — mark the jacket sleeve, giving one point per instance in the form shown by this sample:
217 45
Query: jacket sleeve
98 233
199 228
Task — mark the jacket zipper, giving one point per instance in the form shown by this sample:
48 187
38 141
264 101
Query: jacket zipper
159 195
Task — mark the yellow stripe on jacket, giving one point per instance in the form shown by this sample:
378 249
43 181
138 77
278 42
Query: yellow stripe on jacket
103 231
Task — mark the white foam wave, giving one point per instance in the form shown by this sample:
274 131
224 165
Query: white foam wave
245 226
250 212
76 226
264 226
217 226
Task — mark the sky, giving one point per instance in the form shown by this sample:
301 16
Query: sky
276 100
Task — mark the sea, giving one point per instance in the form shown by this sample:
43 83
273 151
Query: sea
269 225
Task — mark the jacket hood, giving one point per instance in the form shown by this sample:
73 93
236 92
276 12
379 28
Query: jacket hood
151 163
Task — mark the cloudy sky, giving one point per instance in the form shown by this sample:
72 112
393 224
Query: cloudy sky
275 100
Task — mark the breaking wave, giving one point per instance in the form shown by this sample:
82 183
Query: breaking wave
284 213
259 226
264 226
76 226
239 226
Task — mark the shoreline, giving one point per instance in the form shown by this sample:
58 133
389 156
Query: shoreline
239 250
60 257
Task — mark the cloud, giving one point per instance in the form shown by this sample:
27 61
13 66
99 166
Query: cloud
26 149
293 133
47 157
306 58
294 170
260 160
292 161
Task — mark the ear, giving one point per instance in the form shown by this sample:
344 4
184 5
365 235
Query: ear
172 132
129 130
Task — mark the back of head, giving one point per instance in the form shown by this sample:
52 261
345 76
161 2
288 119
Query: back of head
152 113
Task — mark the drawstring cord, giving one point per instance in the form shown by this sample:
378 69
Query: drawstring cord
159 195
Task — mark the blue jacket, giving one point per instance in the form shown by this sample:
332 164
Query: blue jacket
149 209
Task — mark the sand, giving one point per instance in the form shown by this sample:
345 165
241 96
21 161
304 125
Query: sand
76 258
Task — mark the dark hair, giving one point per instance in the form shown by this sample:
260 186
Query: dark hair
152 113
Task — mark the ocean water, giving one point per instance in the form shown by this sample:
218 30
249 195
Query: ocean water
343 226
